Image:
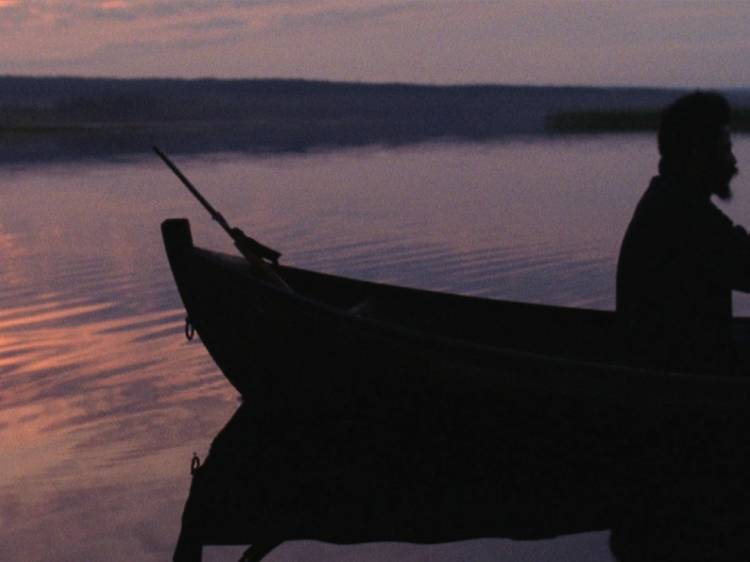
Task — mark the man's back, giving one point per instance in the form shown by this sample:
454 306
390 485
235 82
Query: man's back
679 261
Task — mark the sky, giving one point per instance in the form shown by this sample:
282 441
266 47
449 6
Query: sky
548 42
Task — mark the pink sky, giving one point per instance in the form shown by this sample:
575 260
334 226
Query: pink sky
633 42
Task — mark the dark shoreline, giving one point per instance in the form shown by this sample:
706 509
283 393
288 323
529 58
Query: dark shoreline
624 121
60 119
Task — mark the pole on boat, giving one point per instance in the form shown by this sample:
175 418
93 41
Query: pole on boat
252 250
243 242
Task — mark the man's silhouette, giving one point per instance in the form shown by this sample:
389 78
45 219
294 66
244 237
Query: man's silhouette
681 256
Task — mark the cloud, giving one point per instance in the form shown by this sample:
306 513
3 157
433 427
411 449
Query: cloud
82 36
14 15
221 23
81 12
299 11
351 15
448 41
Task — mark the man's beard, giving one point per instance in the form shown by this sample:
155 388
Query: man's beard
723 189
724 192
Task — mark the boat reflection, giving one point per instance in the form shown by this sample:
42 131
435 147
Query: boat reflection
416 473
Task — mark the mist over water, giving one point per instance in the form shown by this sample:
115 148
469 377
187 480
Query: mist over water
103 401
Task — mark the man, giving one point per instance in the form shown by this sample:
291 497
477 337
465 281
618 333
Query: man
681 256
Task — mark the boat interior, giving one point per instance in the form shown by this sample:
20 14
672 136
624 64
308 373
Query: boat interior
548 330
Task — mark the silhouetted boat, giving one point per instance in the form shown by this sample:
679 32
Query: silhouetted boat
265 339
375 412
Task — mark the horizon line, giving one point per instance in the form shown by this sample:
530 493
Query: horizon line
315 80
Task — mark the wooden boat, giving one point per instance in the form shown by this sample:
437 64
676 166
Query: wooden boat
266 339
469 417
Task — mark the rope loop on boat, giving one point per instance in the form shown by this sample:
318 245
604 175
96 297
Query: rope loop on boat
189 329
195 464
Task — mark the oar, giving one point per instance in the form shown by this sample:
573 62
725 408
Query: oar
253 251
241 240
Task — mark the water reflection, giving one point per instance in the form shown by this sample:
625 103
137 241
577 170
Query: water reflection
102 400
94 426
574 276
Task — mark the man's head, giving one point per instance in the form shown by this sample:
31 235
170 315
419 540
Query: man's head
694 142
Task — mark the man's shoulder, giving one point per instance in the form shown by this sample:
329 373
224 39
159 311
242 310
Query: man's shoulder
665 195
660 192
661 199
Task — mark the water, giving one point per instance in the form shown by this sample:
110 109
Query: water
103 401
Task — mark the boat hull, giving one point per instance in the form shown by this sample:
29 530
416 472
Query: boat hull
374 412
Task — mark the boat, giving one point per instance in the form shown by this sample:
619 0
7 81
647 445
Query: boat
266 338
373 412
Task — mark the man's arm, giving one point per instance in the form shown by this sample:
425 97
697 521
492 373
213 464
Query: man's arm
724 249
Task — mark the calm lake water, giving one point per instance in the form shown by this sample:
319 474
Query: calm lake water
103 402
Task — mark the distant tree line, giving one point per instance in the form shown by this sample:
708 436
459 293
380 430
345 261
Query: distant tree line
53 117
623 121
476 111
382 111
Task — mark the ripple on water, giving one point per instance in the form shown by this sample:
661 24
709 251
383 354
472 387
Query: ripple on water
574 275
103 401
